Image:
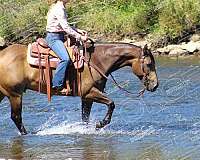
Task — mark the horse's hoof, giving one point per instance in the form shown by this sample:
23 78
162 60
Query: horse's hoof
99 125
34 132
85 123
24 133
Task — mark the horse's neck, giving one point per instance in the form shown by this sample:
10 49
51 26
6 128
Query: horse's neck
110 57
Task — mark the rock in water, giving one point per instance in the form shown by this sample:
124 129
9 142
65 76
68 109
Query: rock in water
195 38
190 47
2 42
178 52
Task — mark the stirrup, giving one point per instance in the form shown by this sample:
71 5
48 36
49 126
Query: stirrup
64 91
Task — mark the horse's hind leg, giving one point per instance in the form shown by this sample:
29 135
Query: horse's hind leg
86 108
99 97
16 112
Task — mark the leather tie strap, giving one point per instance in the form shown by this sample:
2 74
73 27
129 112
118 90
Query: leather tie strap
40 68
47 75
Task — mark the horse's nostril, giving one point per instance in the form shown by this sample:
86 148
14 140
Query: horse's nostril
152 86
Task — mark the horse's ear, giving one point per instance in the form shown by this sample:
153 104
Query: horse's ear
145 47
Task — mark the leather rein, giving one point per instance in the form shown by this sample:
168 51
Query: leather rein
140 93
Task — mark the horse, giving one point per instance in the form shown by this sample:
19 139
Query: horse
17 76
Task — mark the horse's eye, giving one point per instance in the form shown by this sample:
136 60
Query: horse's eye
149 65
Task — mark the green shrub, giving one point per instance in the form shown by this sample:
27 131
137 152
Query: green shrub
22 19
175 18
162 20
120 18
30 20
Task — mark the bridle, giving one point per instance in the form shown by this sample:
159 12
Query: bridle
142 65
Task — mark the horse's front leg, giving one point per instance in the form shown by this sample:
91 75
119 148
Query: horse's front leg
86 108
97 96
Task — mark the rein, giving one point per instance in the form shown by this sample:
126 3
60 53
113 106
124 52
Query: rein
140 93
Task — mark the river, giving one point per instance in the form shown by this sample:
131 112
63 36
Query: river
163 125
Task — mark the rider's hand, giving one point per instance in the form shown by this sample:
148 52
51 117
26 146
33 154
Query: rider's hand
84 38
82 32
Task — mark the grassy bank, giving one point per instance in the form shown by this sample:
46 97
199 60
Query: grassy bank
164 21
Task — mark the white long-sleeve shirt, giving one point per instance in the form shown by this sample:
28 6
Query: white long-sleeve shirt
57 20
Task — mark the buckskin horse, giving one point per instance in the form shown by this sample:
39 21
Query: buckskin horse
17 76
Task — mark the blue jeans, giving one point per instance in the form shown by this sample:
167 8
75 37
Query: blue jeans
56 43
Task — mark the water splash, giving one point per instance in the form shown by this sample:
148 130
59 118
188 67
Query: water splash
66 128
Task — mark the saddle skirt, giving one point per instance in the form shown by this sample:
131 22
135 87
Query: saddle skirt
38 50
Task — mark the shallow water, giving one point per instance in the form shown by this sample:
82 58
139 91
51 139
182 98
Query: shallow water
161 125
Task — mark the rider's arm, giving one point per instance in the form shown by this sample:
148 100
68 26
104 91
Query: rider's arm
62 18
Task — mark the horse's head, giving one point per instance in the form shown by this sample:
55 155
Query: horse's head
144 67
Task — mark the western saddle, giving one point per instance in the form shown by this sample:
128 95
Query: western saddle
40 56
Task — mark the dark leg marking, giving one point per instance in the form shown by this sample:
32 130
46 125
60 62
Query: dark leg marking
1 96
86 108
16 113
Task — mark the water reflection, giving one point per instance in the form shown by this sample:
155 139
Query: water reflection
89 148
13 150
150 152
17 148
83 148
102 150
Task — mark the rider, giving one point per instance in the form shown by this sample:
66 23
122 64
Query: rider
57 25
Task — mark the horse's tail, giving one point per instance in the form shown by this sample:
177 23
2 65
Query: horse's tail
3 43
2 47
1 96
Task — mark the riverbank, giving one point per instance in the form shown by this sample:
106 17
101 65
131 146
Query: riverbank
189 48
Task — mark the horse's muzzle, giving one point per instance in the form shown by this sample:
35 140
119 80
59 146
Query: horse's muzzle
152 86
